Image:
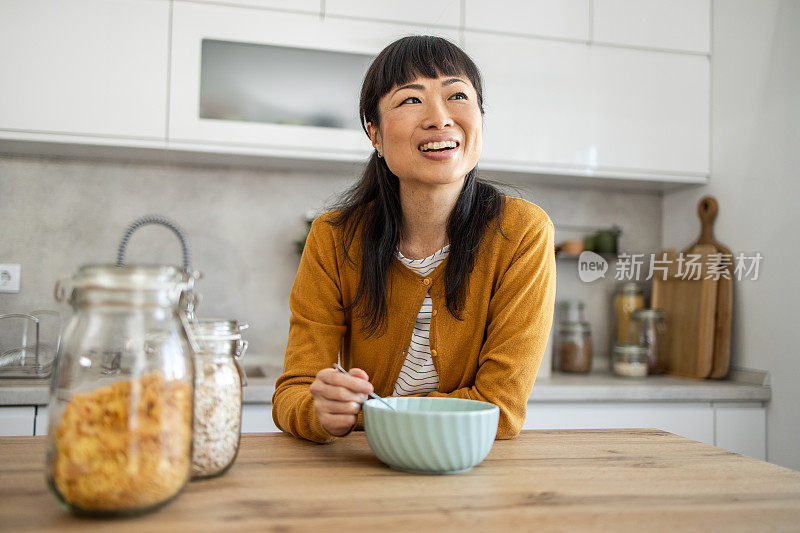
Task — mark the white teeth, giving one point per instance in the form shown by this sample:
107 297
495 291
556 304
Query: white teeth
438 145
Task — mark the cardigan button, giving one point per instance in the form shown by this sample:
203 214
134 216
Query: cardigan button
433 353
434 312
426 281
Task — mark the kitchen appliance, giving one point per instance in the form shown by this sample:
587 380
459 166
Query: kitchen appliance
29 343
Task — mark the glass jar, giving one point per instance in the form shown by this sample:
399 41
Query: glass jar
218 382
630 360
648 327
628 298
120 430
573 311
574 347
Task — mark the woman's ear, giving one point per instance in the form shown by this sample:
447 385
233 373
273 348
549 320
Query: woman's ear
374 137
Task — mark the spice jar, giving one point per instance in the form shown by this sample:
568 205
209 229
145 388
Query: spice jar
574 347
217 395
120 406
630 360
648 327
628 298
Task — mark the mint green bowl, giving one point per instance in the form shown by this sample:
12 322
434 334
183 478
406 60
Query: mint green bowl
431 435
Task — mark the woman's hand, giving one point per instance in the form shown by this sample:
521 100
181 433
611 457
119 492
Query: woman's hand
338 398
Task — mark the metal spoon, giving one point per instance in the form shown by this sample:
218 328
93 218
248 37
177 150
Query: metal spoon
372 394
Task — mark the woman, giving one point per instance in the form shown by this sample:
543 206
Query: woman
426 280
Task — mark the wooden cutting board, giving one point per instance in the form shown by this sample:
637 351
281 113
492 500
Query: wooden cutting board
707 210
689 305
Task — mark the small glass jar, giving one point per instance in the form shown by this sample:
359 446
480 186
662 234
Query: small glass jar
574 347
630 360
218 386
573 311
628 298
648 327
120 428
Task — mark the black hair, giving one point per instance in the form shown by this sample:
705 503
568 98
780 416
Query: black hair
373 202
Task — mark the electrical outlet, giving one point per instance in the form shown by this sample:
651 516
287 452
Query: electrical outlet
9 277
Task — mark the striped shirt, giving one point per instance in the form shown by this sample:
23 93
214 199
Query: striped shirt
418 374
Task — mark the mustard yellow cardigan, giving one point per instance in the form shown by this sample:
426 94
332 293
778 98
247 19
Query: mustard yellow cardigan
492 355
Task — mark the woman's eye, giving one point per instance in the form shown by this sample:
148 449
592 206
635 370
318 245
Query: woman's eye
460 94
410 98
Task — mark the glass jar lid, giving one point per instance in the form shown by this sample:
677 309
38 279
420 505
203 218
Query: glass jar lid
630 287
574 327
219 329
126 284
128 277
656 314
630 351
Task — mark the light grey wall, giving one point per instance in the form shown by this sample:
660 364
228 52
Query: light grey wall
755 161
60 213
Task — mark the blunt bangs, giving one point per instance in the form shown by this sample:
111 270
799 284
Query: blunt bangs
408 58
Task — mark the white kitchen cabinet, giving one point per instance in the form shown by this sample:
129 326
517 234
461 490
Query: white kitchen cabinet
257 418
669 24
17 421
42 419
742 430
693 421
537 100
342 39
565 19
85 67
594 110
308 6
651 110
423 12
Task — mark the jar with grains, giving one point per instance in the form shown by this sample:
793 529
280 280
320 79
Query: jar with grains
630 360
120 428
648 327
628 298
574 347
217 395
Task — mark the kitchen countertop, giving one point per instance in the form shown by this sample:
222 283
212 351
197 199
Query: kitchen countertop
740 386
598 480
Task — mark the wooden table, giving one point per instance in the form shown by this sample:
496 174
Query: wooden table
615 480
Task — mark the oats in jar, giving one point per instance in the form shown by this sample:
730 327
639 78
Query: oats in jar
217 415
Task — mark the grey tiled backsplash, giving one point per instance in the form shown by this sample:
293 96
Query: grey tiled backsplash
59 213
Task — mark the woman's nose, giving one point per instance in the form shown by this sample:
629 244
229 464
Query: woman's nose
437 116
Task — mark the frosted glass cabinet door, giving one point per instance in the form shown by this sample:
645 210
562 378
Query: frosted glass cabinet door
537 100
297 78
95 67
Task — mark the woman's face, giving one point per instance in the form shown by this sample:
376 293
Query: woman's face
424 110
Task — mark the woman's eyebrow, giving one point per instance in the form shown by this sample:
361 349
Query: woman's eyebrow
417 86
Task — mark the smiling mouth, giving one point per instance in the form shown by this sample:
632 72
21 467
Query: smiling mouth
442 149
